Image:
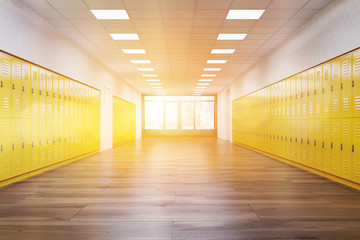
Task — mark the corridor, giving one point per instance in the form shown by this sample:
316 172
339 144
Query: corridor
178 188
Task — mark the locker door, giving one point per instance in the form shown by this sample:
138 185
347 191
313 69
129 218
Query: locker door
298 157
16 88
26 91
55 97
318 149
61 98
311 90
326 90
292 139
293 97
49 93
335 146
346 148
285 130
61 139
34 117
346 85
326 145
55 117
55 140
304 95
42 94
67 139
5 85
66 99
298 96
356 149
35 143
311 142
335 88
356 84
16 164
5 148
49 141
285 96
42 142
318 79
26 145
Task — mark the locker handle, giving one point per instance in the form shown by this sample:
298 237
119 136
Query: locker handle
341 86
302 95
40 142
332 87
32 91
314 142
23 89
323 90
323 145
308 93
353 148
23 145
54 140
314 91
32 144
301 140
2 85
331 145
53 95
47 94
290 139
13 86
341 146
40 92
13 146
353 83
2 149
47 141
308 141
59 139
296 140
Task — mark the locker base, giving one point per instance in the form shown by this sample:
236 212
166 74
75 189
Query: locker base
44 169
310 169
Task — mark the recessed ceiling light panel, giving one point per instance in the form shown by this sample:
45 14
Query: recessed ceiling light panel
222 51
153 80
231 36
141 61
208 75
124 36
212 69
134 51
110 14
216 61
146 69
149 75
203 84
205 80
244 14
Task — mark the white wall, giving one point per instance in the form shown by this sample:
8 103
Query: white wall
331 32
26 35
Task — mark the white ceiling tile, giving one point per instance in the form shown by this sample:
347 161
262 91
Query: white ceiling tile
211 14
250 4
206 29
85 22
93 36
287 4
274 14
279 36
307 13
270 22
183 30
179 14
147 14
252 42
178 23
68 4
213 4
152 30
317 4
37 4
75 36
239 23
177 4
295 22
264 30
77 14
101 30
147 22
208 22
141 4
258 36
287 29
69 30
49 13
115 23
104 4
60 22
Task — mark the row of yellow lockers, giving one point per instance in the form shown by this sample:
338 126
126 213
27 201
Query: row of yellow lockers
312 118
331 89
124 121
45 118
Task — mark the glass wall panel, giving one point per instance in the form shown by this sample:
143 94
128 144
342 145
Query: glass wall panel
204 115
171 115
154 115
187 115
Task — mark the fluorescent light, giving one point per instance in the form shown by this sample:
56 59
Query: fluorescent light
134 51
212 69
124 36
140 61
149 75
153 84
156 87
110 14
244 14
208 75
222 51
231 36
153 80
146 69
200 87
205 80
216 61
203 84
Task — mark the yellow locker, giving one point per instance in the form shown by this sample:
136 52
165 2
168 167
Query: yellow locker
55 96
293 97
26 90
346 148
34 117
356 84
49 97
16 88
335 88
292 135
298 156
304 95
326 145
310 142
5 148
61 140
61 98
67 149
49 141
5 85
356 150
311 91
285 105
71 99
42 142
318 91
66 99
42 94
272 101
16 164
326 113
26 145
346 85
318 148
55 140
336 146
298 96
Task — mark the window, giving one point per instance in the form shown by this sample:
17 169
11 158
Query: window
154 115
171 116
187 115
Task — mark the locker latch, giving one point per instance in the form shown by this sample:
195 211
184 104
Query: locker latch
23 145
353 83
32 144
341 86
2 149
314 91
32 91
59 96
290 139
308 141
296 140
331 145
301 140
308 93
47 94
13 146
54 140
341 146
13 86
23 89
323 90
314 142
47 141
40 142
332 88
353 148
53 95
2 85
323 145
40 92
302 95
59 139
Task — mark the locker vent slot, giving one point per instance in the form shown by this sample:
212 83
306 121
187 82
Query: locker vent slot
346 68
357 103
346 104
6 67
357 64
17 71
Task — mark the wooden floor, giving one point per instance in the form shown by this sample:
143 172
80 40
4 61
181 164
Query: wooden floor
178 188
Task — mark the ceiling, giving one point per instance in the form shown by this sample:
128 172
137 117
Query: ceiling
178 36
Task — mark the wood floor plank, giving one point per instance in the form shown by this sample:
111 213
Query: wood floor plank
178 188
